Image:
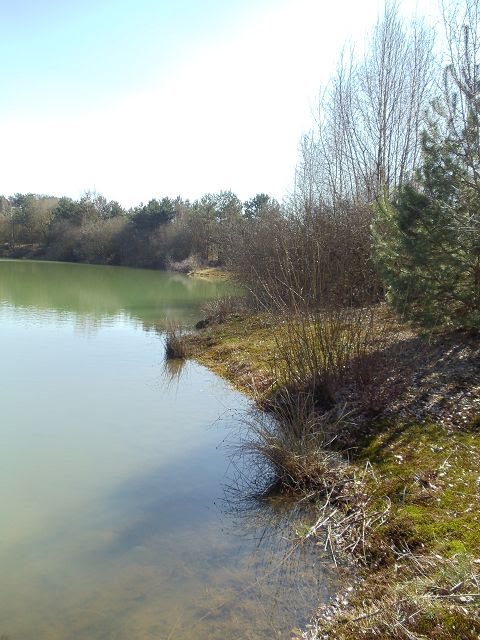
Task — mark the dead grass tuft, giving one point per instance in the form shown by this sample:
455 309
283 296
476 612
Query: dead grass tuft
428 597
175 345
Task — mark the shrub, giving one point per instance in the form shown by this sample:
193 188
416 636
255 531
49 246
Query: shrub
288 443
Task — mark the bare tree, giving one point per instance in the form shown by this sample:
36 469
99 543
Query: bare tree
367 134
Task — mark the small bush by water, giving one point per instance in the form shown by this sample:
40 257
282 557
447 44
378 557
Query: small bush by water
175 346
290 439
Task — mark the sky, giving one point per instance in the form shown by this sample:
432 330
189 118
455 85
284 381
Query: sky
140 99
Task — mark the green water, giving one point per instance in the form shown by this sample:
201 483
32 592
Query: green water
114 472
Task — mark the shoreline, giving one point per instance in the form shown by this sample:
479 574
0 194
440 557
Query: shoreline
28 253
416 464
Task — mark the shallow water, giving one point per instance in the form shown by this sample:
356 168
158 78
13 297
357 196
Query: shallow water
113 469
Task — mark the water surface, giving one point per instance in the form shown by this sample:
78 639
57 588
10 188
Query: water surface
113 472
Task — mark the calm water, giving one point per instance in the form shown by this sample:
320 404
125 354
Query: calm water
113 471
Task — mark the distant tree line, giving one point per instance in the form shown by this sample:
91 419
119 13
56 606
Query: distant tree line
164 233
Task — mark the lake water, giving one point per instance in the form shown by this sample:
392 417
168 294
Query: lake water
118 512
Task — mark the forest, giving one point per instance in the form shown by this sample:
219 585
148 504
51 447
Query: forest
165 233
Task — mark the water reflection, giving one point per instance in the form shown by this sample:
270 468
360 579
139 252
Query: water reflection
173 369
118 515
157 558
91 295
292 574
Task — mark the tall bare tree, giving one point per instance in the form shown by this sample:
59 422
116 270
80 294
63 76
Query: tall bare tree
367 134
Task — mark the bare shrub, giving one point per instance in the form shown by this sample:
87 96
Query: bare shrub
324 350
309 256
370 116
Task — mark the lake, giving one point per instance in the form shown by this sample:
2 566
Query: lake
122 516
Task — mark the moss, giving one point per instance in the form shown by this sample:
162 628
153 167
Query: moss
431 476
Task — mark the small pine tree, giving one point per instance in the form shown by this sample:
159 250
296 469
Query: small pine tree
427 235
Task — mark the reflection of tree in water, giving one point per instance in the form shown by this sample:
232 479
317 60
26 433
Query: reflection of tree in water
88 325
101 293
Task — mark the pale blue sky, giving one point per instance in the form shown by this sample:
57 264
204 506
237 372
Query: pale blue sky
64 55
142 98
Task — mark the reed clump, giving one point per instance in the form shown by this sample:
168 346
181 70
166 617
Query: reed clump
288 444
292 451
175 344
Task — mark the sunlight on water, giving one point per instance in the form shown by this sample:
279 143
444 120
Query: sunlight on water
113 473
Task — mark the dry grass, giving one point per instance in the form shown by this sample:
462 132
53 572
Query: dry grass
290 441
291 450
211 273
175 345
428 596
217 310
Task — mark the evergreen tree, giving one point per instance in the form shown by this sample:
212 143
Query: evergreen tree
427 235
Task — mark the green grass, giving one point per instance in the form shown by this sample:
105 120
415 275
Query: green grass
240 350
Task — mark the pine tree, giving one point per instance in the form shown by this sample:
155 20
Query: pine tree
427 235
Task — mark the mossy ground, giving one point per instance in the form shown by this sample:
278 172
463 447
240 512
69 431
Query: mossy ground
432 477
240 350
429 473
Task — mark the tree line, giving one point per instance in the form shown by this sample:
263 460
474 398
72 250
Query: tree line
387 195
164 233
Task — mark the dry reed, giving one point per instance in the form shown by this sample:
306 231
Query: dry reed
175 346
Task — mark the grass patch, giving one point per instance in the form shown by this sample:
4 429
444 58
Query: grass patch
424 596
239 349
211 273
432 477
